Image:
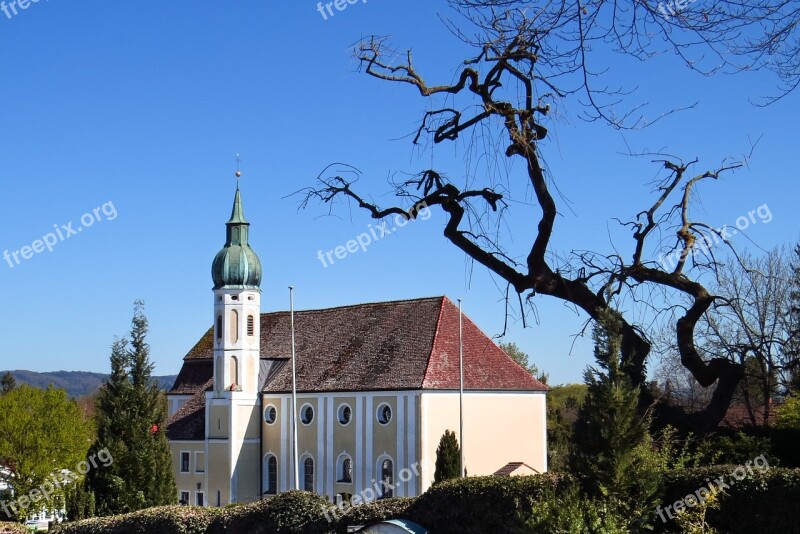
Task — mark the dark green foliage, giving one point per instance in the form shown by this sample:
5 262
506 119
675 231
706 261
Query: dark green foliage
163 520
610 437
524 360
568 511
7 496
761 502
79 502
563 403
732 447
131 416
7 383
448 458
481 505
365 514
293 512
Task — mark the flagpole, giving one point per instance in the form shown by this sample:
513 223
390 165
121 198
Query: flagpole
460 390
294 395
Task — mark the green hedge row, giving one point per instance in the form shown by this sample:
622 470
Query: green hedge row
484 503
756 501
759 502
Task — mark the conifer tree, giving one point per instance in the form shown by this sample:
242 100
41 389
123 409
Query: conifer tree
448 458
7 382
131 415
611 436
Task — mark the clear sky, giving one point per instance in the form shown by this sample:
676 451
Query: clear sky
138 109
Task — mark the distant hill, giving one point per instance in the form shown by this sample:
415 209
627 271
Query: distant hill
77 383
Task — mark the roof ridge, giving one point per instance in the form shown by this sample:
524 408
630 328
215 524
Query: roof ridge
362 305
433 343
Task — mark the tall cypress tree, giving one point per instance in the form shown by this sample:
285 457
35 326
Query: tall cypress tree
448 458
153 467
610 433
131 415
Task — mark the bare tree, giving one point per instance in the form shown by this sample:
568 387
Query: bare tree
531 56
750 322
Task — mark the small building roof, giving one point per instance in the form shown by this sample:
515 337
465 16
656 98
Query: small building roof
515 469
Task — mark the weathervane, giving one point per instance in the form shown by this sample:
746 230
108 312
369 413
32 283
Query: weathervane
238 172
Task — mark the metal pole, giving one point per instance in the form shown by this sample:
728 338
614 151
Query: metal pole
460 389
294 396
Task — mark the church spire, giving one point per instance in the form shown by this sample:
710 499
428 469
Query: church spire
236 265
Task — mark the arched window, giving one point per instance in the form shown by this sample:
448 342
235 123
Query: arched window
387 479
344 473
234 326
271 473
308 474
234 371
251 326
219 327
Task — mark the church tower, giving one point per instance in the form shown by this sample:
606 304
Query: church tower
233 406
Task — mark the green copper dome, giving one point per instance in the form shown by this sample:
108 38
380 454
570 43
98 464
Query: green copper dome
236 266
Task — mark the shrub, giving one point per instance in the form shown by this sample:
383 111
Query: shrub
568 511
164 520
760 502
732 448
293 512
12 528
448 458
365 514
484 504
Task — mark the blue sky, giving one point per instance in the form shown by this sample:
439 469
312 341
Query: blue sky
141 107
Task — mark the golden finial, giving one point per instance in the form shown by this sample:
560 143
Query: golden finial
238 172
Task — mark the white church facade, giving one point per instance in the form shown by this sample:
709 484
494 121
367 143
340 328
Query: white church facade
377 386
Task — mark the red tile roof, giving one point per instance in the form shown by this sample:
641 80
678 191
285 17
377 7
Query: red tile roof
399 345
738 416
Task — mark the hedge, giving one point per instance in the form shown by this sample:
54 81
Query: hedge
12 528
483 503
365 514
164 520
766 501
293 512
760 502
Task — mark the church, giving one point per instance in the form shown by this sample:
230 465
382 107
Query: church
377 385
